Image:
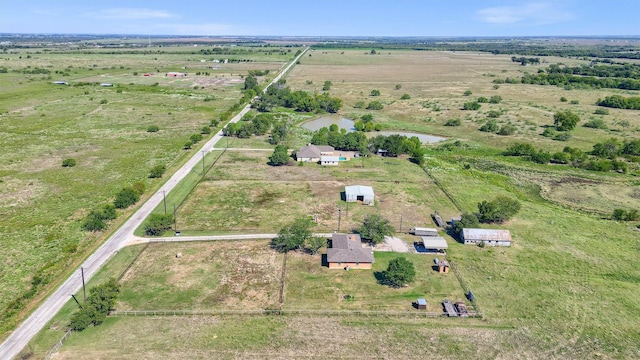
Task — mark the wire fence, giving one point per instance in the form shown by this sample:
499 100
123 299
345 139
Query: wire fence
58 345
283 312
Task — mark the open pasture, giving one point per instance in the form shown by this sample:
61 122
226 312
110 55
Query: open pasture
105 130
436 83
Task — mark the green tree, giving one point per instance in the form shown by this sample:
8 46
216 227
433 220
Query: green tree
405 97
374 228
467 220
126 197
375 92
293 236
280 156
94 222
496 99
157 224
315 243
250 82
101 300
400 272
157 171
398 86
327 85
195 138
490 126
498 210
609 149
565 120
205 130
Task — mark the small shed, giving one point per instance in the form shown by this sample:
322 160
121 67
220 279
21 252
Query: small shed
422 304
362 193
422 231
443 267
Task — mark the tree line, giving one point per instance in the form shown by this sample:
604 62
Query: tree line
280 95
620 102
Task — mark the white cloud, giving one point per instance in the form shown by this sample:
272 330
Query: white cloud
131 14
535 13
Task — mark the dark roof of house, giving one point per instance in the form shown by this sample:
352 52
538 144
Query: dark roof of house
314 151
348 248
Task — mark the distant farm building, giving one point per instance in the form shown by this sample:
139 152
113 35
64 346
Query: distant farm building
106 84
421 231
346 252
61 83
176 74
486 236
362 193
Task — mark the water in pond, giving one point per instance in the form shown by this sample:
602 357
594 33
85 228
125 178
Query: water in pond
317 124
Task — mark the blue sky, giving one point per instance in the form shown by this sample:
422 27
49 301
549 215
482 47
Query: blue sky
323 17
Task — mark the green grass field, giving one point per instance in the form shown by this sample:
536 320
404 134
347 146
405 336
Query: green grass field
105 130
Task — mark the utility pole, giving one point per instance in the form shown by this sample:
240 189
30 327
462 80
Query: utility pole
164 199
84 290
202 163
174 218
339 211
347 207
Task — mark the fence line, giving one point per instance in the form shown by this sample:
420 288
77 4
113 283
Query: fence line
58 345
267 312
463 284
441 187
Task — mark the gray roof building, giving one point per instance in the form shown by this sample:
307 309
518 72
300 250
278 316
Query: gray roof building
362 193
347 248
487 236
313 153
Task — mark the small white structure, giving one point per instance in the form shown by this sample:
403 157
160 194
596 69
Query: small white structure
329 160
422 231
106 84
362 193
175 74
487 236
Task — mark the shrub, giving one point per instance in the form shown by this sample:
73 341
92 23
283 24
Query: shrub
205 130
541 157
471 105
490 126
494 114
195 138
496 99
482 100
157 171
375 105
158 224
520 149
398 87
93 222
100 301
375 92
153 128
601 112
359 105
507 130
574 102
68 162
563 99
453 122
405 97
103 101
595 124
467 93
126 197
